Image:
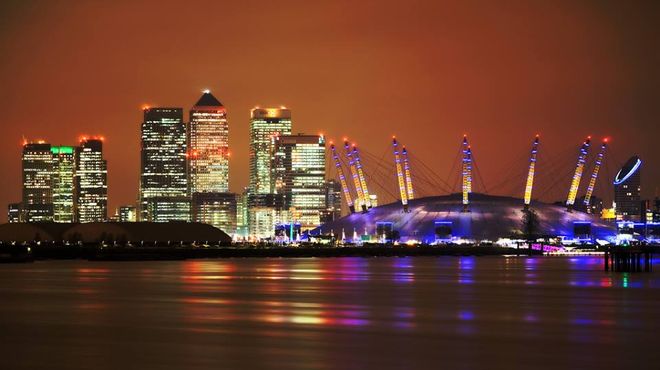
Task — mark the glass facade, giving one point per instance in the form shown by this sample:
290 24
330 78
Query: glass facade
166 209
299 175
242 215
265 124
216 209
208 165
163 179
64 170
265 210
208 146
37 165
332 201
264 219
91 182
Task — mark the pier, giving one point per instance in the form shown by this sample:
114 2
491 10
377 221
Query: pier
628 259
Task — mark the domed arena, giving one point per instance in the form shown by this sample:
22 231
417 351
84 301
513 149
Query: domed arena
489 218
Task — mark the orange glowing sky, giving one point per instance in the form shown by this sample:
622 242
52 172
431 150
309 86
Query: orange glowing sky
427 71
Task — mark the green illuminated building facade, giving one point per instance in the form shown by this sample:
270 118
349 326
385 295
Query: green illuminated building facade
63 184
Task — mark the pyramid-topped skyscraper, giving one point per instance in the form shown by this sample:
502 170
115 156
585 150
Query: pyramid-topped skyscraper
208 164
208 146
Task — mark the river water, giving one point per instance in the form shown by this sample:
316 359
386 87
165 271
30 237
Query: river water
334 313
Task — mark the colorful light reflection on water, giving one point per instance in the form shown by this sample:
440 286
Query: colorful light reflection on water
325 313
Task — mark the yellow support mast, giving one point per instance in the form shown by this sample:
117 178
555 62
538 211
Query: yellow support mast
342 178
577 176
530 174
356 179
363 181
406 170
400 176
594 175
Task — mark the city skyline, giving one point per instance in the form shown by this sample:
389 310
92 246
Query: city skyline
346 83
267 125
335 184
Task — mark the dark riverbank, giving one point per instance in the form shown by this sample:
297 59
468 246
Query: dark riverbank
97 253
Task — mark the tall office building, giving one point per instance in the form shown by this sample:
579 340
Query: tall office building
627 191
208 146
299 175
208 165
332 201
265 125
63 184
163 179
91 181
265 208
37 163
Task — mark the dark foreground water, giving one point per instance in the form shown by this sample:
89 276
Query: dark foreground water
344 313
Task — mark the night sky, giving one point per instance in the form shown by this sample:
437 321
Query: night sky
427 71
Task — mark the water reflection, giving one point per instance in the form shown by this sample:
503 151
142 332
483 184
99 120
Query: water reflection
403 270
325 313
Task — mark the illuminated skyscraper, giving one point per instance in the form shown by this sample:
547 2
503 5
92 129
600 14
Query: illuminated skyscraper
64 170
299 174
265 124
208 146
163 179
208 165
627 191
265 208
37 165
91 181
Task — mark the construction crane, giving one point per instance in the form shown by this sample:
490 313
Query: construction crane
363 181
594 175
400 176
406 170
530 174
467 174
342 178
356 179
577 176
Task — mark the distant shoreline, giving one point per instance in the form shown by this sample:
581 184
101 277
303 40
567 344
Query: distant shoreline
97 253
